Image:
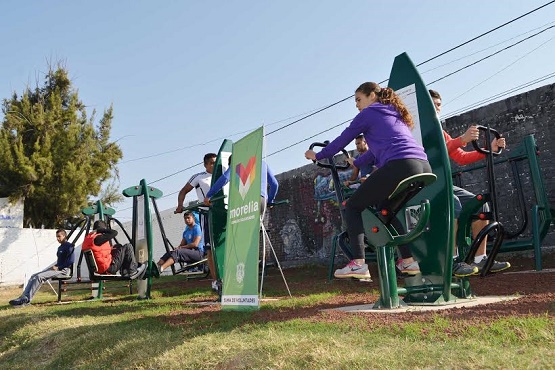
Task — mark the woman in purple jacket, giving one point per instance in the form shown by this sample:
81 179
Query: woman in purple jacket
386 123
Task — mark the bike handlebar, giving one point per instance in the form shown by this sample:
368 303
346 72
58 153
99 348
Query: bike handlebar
329 165
482 150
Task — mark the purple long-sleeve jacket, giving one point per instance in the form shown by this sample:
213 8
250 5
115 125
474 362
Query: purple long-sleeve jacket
388 137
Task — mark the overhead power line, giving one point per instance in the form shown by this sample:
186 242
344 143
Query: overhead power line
486 33
492 54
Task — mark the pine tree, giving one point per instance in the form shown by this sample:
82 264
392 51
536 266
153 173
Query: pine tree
51 153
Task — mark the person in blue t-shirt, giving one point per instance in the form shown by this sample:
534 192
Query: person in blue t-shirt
191 248
65 259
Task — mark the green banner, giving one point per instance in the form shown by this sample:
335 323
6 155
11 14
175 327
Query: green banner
240 283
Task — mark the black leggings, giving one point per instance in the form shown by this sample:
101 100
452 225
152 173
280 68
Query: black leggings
373 192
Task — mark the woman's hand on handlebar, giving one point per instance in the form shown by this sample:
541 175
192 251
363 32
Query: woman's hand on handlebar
310 154
207 202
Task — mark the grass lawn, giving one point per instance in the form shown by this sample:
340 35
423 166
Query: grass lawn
176 330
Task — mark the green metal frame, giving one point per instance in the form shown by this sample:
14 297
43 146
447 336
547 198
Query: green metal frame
541 213
148 193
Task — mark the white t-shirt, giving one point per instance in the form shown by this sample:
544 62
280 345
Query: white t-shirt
201 182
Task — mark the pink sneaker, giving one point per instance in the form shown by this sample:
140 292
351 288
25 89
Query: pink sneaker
411 268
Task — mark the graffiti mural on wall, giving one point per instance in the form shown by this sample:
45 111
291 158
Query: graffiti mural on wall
307 226
327 220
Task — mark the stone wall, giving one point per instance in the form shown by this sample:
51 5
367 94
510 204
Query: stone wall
301 232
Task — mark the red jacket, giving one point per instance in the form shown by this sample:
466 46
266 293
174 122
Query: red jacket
456 153
102 253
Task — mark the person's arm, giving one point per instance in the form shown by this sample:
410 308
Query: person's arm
367 158
194 244
457 154
218 185
273 184
181 197
105 236
354 175
348 135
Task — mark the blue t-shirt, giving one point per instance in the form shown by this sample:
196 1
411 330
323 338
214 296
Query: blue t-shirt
191 233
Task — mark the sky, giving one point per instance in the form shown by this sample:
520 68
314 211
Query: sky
184 75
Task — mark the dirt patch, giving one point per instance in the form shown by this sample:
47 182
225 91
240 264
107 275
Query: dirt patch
536 288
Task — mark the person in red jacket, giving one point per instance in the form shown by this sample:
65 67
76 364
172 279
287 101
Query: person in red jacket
110 260
460 156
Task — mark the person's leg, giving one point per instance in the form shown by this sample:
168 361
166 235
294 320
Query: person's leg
377 187
163 259
190 255
460 268
167 263
204 224
208 248
34 284
118 254
129 261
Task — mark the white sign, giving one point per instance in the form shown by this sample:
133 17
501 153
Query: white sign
408 95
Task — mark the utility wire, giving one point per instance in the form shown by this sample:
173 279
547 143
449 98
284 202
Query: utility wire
498 95
489 56
486 33
484 49
498 72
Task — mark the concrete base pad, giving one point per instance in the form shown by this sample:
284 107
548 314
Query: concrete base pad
460 302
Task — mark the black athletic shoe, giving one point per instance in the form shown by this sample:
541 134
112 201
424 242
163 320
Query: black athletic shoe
21 301
139 272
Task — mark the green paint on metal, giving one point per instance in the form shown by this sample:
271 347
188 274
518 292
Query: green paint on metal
434 248
217 217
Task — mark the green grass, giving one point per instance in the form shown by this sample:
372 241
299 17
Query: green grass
172 331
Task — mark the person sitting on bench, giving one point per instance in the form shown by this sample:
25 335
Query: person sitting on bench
62 268
462 196
191 248
386 124
110 260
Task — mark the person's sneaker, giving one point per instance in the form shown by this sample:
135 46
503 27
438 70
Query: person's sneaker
21 301
353 270
139 272
463 269
215 285
411 268
495 267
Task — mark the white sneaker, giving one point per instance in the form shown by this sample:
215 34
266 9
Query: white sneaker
408 269
215 285
353 270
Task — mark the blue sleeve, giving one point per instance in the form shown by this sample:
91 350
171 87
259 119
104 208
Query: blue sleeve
219 184
367 158
348 135
273 184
